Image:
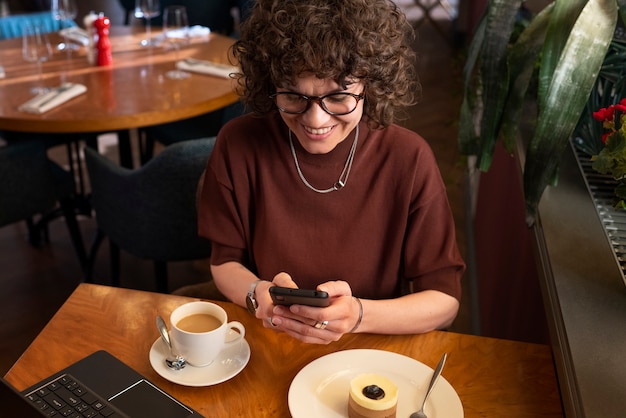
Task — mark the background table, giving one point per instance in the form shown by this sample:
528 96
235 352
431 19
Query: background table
133 92
493 378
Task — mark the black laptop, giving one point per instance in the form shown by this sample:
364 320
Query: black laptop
99 385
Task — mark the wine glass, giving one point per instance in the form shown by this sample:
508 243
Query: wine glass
147 9
176 33
65 11
36 48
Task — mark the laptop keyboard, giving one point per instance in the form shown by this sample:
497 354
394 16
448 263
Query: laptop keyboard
67 397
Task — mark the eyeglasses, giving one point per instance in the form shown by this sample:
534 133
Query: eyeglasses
333 104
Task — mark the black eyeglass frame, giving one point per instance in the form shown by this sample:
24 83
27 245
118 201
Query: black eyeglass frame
317 99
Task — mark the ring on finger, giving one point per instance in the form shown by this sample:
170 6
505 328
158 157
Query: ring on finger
320 325
269 319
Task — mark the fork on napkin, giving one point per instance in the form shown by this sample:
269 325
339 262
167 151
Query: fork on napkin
45 101
206 67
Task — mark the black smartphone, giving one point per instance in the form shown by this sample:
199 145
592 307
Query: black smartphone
289 296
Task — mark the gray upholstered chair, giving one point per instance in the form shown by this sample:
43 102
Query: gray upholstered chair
205 125
36 190
150 212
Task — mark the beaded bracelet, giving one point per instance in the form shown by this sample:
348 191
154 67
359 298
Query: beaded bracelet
358 321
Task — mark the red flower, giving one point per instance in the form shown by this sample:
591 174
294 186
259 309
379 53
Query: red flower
606 113
621 106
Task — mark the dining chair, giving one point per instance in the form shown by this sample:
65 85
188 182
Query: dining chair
205 125
149 212
33 187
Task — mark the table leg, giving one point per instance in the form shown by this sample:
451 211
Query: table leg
126 156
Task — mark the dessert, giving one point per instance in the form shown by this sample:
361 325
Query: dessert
372 396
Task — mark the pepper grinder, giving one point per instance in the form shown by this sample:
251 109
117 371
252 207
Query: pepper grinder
89 21
102 25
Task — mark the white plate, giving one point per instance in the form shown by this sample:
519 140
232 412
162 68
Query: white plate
228 364
321 388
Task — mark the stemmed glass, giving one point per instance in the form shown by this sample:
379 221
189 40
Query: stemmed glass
147 9
176 33
36 48
65 11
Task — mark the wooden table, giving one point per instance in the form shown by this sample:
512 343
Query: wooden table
133 92
493 378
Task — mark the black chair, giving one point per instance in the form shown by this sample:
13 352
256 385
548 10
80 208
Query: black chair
206 125
31 185
150 212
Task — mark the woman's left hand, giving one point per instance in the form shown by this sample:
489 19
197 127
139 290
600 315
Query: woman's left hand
320 325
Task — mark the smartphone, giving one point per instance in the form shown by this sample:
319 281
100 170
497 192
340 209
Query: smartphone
289 296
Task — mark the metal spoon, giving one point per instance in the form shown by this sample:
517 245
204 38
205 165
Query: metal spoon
431 385
173 361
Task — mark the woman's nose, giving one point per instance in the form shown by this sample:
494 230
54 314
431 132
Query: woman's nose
315 115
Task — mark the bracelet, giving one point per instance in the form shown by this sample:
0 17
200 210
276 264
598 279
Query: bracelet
358 321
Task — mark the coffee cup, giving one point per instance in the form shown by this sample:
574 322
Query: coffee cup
200 331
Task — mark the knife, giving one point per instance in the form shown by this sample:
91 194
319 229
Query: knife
56 94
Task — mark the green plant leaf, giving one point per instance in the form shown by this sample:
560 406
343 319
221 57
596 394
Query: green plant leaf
493 71
569 89
471 107
612 159
622 10
559 28
521 61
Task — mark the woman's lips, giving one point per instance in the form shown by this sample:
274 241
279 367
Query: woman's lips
318 133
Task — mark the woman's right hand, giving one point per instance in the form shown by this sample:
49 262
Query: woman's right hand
266 305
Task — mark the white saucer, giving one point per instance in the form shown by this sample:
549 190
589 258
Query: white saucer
321 388
228 364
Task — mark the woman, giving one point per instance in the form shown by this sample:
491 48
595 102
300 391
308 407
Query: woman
318 189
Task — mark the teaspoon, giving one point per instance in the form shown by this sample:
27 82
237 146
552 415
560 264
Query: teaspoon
172 361
431 385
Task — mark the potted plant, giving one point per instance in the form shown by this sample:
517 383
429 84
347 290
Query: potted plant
559 53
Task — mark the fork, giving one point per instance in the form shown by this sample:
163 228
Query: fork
431 385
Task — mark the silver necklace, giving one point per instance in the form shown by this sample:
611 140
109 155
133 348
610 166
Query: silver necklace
343 177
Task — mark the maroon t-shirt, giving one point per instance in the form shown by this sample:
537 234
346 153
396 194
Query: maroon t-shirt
390 224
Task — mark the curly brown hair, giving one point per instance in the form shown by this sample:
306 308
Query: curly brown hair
342 40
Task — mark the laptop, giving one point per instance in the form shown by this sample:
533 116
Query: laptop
99 385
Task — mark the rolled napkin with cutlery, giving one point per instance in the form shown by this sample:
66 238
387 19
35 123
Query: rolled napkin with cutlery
206 67
76 34
53 98
199 31
195 33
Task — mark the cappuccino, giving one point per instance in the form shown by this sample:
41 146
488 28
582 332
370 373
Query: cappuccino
199 323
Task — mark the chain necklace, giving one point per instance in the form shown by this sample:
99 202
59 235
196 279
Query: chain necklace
343 177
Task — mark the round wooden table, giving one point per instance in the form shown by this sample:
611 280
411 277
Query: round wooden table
493 378
132 93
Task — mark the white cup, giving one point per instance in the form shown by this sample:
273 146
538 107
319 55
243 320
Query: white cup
200 348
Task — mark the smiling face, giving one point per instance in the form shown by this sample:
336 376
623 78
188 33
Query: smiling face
317 131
